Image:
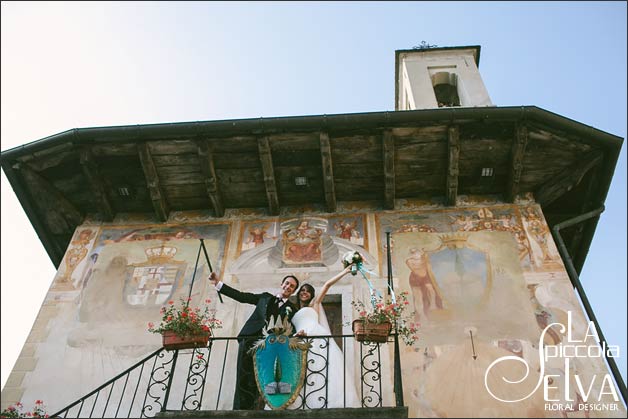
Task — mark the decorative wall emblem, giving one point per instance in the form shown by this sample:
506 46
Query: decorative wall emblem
75 254
154 282
302 241
463 273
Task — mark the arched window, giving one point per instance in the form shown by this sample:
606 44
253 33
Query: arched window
446 89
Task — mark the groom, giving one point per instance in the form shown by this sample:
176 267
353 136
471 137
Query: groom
246 395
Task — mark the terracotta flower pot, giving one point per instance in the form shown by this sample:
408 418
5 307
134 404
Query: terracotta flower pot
371 332
173 341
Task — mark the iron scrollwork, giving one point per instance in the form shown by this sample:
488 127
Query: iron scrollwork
197 375
159 383
370 375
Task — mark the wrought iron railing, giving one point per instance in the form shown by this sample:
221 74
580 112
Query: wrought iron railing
177 380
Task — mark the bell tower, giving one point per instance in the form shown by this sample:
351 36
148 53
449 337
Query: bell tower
431 77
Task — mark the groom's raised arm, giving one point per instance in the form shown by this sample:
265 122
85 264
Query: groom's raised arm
239 296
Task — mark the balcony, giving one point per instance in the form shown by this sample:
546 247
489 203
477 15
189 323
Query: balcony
200 382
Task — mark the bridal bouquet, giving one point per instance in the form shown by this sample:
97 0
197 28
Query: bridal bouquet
354 259
390 312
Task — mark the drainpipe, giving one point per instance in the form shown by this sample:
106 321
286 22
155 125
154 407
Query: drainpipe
575 281
397 383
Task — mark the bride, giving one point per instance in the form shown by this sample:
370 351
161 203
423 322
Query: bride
325 376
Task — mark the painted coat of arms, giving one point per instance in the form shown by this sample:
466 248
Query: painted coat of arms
154 282
279 361
302 241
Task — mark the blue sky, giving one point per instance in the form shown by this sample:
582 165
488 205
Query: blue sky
72 65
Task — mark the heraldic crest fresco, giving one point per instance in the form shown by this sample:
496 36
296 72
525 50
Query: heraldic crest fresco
459 281
279 362
154 281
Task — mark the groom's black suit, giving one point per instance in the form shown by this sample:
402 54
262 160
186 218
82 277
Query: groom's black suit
246 393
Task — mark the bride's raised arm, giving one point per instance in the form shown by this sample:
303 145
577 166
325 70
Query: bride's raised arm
323 292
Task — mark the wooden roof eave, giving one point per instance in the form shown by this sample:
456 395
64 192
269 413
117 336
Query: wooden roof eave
43 232
264 126
376 121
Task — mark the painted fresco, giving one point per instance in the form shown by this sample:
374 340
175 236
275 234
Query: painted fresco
304 235
303 241
350 228
487 284
258 233
545 256
484 282
461 281
72 270
136 272
504 218
126 277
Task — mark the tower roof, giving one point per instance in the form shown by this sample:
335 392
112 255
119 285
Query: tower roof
429 49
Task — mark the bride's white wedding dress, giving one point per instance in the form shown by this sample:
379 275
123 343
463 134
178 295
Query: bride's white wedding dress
314 393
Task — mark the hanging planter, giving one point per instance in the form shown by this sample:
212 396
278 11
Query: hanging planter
374 324
366 331
184 327
173 341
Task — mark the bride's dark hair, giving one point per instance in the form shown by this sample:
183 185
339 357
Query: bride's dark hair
310 289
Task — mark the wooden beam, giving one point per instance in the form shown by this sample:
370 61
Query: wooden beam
40 163
152 181
453 146
566 180
206 160
328 172
388 147
90 169
266 159
588 204
38 221
60 214
517 154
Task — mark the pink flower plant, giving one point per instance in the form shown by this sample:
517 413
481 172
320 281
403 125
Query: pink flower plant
186 321
15 411
394 313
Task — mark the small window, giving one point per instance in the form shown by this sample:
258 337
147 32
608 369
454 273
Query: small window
446 89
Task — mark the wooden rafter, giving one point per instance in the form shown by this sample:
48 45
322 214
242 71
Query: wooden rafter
152 181
517 154
328 172
388 142
566 180
50 160
60 214
90 169
206 160
588 204
43 230
266 159
453 147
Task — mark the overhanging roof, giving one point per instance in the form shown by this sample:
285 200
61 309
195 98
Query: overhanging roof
434 154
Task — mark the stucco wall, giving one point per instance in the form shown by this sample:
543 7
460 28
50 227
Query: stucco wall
485 269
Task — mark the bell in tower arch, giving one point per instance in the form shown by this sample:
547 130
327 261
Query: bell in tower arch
446 89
